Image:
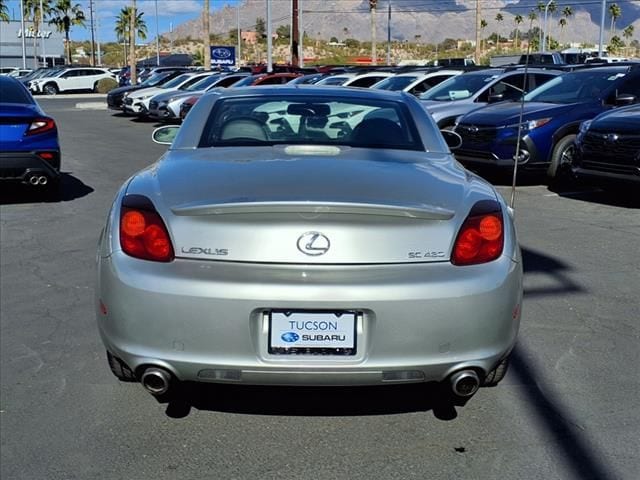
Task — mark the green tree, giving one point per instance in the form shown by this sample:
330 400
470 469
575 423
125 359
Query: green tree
261 28
483 25
4 12
284 31
123 31
373 4
562 23
518 20
65 15
616 12
627 33
33 14
499 20
615 44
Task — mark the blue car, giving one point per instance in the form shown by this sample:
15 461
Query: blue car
29 146
551 117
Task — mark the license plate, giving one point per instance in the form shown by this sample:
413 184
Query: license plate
330 333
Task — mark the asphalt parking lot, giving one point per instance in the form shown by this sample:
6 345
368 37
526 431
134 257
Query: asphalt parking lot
566 410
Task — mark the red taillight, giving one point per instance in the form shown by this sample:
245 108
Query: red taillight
142 231
48 156
40 125
481 238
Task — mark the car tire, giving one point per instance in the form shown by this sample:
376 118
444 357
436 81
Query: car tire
50 89
561 157
497 374
95 88
120 369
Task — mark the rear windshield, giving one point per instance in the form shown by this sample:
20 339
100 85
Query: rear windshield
13 92
262 120
395 83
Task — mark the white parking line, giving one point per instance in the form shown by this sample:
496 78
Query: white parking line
91 106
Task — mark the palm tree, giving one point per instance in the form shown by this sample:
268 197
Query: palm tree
518 20
551 9
33 14
533 16
627 33
123 22
616 12
373 4
563 23
483 25
64 16
499 19
4 12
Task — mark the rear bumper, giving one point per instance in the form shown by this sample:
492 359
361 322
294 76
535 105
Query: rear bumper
208 321
18 166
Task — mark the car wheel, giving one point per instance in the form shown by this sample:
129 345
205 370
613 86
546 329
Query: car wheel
95 88
497 374
562 156
50 89
120 369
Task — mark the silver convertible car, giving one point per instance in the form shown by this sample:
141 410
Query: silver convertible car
308 236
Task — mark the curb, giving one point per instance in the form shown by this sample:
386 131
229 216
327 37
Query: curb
91 106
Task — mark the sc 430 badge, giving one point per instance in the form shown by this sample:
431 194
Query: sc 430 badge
426 254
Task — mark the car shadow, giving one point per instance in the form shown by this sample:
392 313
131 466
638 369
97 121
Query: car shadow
622 196
70 188
311 401
546 275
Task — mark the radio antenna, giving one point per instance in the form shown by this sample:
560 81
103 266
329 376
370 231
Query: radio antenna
517 156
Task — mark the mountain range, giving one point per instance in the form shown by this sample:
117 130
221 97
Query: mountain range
426 21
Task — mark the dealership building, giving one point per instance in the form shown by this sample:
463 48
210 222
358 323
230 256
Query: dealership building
11 45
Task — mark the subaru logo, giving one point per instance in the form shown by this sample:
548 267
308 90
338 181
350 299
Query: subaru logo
221 53
290 337
313 244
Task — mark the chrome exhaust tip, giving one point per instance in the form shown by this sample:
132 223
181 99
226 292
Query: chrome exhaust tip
33 179
465 383
156 381
43 180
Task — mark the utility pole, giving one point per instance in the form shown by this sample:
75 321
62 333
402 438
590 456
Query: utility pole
93 38
24 46
99 52
239 35
157 37
269 39
372 10
300 37
132 43
478 30
207 36
295 32
42 42
603 13
389 33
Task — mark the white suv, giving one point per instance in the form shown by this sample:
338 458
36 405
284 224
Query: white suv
70 79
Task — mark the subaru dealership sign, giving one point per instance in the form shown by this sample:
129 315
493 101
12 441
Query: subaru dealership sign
223 56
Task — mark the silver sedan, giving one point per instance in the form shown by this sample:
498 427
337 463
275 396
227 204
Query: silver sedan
308 236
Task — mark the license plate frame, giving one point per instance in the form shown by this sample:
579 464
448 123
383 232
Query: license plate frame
344 321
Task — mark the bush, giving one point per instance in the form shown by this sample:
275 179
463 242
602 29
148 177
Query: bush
106 84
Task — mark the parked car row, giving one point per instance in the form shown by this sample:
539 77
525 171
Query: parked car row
533 114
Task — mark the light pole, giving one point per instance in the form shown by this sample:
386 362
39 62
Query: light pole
269 47
544 32
44 54
157 37
601 41
24 46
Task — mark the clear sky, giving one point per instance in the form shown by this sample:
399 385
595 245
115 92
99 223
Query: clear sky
169 11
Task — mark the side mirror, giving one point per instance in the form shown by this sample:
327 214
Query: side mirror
625 99
165 135
453 140
496 97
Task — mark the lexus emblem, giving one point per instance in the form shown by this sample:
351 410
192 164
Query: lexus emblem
313 244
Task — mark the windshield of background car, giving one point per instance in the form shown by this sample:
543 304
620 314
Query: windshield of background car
155 80
459 87
575 87
12 92
333 81
176 81
395 83
246 81
316 120
203 83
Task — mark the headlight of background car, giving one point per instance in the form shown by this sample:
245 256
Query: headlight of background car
531 124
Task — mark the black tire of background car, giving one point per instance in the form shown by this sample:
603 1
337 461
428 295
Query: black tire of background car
95 88
561 157
120 369
497 374
50 89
